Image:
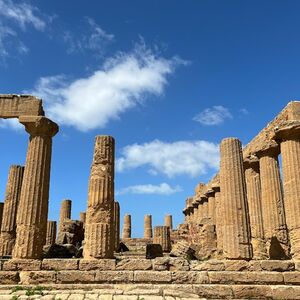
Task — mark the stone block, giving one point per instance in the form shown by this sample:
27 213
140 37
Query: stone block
160 264
277 265
230 277
9 277
210 265
178 264
22 265
152 276
291 277
212 291
236 265
153 251
285 292
134 264
114 276
75 277
60 264
252 291
190 277
97 264
37 277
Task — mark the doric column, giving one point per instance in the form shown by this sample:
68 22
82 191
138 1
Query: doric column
162 236
65 212
51 233
210 194
1 212
99 226
219 217
251 165
82 217
200 210
204 206
148 227
169 221
289 136
33 206
12 197
236 242
126 234
117 224
275 231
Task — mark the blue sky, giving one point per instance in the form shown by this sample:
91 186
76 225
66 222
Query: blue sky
167 79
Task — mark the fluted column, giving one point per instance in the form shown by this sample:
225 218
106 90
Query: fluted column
148 227
273 215
169 221
200 210
162 236
1 212
82 217
117 224
99 226
33 205
236 242
51 233
289 136
253 186
65 212
126 233
210 194
204 206
219 217
12 197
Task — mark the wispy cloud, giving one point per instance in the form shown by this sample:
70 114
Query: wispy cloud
244 111
178 158
123 82
13 124
92 37
213 116
161 189
14 17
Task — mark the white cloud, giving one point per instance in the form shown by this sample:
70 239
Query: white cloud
123 82
191 158
244 111
22 14
161 189
213 116
12 124
93 38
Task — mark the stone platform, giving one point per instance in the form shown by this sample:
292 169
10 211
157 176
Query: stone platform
160 278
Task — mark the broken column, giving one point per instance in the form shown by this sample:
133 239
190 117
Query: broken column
65 211
117 224
273 215
253 186
236 241
126 234
162 236
51 233
169 221
12 197
148 227
82 217
289 136
33 205
99 226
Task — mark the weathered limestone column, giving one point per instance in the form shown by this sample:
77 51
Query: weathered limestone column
33 205
148 227
82 217
200 210
117 224
169 221
51 233
275 231
210 194
1 212
99 226
236 241
162 236
219 217
126 234
195 211
251 166
65 212
204 206
289 136
12 197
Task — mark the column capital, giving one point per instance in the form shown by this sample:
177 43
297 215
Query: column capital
209 193
269 149
216 188
252 162
287 130
38 125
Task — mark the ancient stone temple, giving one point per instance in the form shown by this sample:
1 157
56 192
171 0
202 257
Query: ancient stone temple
126 233
117 224
99 226
65 212
148 227
162 236
51 233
